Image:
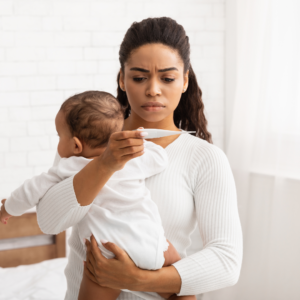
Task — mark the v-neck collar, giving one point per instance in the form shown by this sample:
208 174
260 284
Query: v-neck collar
175 140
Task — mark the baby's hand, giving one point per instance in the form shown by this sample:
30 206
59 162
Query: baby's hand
4 215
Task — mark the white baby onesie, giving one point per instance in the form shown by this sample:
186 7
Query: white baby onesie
123 211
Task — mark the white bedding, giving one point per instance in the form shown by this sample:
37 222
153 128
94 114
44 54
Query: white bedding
42 281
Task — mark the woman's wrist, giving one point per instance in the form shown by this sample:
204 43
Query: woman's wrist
164 280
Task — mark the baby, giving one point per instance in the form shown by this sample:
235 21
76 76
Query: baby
123 211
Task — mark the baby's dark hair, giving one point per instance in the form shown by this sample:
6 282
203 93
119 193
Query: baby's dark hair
93 116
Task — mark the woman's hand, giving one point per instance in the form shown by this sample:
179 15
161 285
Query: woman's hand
119 272
122 147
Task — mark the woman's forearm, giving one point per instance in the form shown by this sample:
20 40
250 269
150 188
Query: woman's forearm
122 273
122 147
164 280
90 180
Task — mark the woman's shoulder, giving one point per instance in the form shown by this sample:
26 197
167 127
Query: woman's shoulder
201 149
203 156
206 160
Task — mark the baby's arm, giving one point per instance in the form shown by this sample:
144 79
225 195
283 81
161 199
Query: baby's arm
154 160
30 192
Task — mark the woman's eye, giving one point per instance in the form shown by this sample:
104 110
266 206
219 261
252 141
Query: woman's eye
138 79
168 79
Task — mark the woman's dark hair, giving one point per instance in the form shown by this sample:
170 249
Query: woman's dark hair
189 114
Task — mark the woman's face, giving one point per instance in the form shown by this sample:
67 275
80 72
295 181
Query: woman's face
154 73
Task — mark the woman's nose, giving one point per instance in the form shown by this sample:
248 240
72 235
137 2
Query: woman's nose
153 89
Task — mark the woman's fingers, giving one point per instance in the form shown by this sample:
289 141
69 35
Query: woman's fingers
122 135
96 251
130 142
88 248
90 267
131 150
113 273
90 258
89 274
127 146
116 250
122 146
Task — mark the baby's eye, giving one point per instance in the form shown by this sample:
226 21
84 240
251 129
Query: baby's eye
168 79
138 79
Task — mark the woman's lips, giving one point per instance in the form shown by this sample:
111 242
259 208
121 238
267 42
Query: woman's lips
153 108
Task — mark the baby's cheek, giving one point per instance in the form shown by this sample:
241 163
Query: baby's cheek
61 149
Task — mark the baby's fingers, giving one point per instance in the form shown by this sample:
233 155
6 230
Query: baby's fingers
4 220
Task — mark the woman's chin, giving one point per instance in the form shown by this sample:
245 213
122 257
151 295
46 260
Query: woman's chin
151 118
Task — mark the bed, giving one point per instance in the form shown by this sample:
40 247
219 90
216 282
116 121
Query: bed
31 263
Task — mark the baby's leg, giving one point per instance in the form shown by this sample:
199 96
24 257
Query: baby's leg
89 290
172 256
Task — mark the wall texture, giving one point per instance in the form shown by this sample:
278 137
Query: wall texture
50 50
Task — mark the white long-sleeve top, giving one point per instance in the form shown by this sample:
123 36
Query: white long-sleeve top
122 212
196 189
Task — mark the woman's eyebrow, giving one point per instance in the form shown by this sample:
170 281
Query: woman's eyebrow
140 69
168 69
147 71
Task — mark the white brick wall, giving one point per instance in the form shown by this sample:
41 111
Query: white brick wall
51 49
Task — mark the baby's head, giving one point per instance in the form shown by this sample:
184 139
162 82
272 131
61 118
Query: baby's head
85 122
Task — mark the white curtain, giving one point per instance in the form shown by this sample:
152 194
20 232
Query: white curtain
264 149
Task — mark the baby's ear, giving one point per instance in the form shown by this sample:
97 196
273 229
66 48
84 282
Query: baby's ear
77 145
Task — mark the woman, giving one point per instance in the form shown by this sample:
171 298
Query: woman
158 89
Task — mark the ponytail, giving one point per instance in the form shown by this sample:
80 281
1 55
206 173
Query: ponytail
189 114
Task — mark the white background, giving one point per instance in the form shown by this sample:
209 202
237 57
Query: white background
50 50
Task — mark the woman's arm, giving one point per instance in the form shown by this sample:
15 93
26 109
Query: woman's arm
122 147
110 272
216 266
66 203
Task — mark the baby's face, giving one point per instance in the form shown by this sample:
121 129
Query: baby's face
65 143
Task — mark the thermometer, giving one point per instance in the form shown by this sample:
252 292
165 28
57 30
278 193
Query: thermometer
158 133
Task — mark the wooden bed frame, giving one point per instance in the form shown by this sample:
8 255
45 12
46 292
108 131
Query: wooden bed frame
30 245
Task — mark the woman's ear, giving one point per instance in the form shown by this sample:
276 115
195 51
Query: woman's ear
186 81
77 145
121 81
